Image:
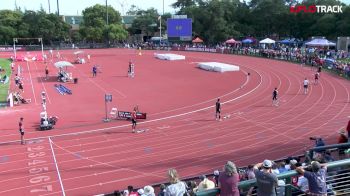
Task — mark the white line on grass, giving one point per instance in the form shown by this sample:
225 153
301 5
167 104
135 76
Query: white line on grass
58 171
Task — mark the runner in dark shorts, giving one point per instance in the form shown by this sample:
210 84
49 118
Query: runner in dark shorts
133 121
317 74
21 130
218 110
274 97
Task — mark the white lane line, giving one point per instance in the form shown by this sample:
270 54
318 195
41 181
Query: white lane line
31 81
58 171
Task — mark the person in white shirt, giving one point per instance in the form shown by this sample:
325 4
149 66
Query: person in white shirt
306 85
176 187
303 184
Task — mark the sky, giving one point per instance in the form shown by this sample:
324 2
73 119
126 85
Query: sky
72 7
75 7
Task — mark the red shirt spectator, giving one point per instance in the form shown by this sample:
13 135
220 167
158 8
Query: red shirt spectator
348 128
228 180
342 137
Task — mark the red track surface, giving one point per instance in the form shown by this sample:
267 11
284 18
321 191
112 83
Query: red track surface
95 157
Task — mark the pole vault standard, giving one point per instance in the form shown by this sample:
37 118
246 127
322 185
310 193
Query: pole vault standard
15 40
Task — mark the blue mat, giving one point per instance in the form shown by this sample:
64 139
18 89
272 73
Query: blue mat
62 89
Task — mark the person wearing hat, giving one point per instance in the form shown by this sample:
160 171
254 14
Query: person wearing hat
140 192
148 191
316 178
266 181
205 183
228 180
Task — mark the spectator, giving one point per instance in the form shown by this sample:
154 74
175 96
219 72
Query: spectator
205 184
161 190
191 187
250 172
303 184
228 180
176 186
140 192
348 128
316 178
125 193
266 180
149 191
341 140
282 167
131 191
216 177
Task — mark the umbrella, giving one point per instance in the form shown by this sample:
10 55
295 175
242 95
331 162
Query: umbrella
267 41
230 41
61 64
78 52
197 40
247 41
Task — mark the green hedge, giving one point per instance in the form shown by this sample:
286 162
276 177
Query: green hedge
4 88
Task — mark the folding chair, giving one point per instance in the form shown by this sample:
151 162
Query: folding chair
113 113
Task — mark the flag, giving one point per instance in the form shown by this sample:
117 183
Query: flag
159 17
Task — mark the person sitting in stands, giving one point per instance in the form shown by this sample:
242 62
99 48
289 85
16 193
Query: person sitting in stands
205 184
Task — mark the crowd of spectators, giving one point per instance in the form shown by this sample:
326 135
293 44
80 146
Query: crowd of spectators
315 56
312 170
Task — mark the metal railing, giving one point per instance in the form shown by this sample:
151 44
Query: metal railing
338 180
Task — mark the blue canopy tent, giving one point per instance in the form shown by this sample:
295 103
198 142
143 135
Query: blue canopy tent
286 41
247 41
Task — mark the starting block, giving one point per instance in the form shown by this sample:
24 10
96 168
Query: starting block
141 130
227 116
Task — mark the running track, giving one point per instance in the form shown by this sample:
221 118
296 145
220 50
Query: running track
84 156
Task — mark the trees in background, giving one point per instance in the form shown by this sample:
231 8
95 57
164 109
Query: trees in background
217 20
95 28
31 24
213 20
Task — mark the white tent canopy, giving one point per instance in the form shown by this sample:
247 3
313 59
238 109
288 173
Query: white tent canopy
320 42
267 41
61 64
78 52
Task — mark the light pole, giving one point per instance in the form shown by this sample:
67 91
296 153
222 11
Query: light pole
49 6
107 12
160 30
58 9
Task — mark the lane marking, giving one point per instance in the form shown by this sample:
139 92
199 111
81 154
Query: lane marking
58 171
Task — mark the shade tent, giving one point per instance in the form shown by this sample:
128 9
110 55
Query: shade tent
286 41
267 41
247 41
61 64
197 40
320 42
230 41
78 52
